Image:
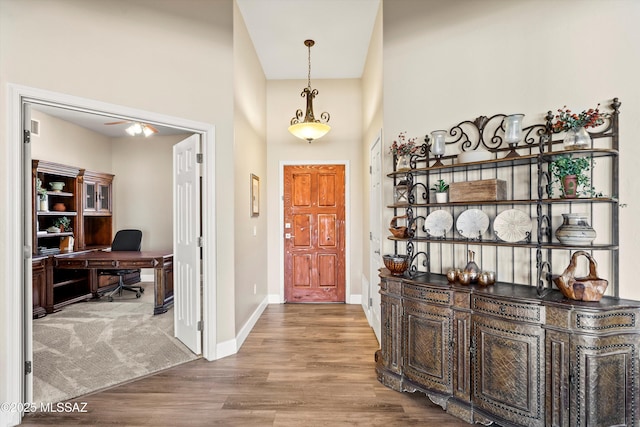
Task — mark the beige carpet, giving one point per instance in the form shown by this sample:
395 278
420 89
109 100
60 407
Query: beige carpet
95 344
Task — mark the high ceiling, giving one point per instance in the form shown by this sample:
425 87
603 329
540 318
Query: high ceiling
341 30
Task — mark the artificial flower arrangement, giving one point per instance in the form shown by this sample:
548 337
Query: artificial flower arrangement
567 120
403 146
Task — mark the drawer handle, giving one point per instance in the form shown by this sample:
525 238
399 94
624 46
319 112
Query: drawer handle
502 309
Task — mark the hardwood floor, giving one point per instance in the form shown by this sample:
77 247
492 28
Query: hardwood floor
302 365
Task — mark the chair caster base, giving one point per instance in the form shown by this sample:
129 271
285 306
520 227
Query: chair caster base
137 294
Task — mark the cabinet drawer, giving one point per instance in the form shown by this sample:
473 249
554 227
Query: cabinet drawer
390 286
137 264
436 296
104 263
70 263
508 309
612 321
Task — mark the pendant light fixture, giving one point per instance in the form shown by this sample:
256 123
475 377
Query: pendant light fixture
310 128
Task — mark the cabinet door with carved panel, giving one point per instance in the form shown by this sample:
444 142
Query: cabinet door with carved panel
391 312
605 380
557 378
428 361
508 369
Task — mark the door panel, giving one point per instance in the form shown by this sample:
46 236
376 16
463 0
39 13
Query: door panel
327 230
508 369
186 251
315 248
302 231
301 189
375 221
327 276
302 271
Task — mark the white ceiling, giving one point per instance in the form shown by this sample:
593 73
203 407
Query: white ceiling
341 30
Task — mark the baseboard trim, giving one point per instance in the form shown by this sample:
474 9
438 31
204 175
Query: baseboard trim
275 299
229 347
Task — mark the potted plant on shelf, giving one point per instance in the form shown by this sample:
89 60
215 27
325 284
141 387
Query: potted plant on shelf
440 188
64 224
402 149
43 206
569 172
575 126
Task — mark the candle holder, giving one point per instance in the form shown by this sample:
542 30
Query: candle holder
438 145
513 133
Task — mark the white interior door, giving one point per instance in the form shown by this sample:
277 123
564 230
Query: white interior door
186 248
375 221
27 239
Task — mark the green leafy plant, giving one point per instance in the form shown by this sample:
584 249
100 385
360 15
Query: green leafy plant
567 165
42 193
440 186
63 223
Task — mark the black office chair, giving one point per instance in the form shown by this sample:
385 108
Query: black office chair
125 240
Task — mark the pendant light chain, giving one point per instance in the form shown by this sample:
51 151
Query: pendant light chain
309 60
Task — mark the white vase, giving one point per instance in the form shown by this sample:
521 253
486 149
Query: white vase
43 204
403 163
441 197
577 139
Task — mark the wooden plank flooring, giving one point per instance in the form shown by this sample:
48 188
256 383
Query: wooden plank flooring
302 365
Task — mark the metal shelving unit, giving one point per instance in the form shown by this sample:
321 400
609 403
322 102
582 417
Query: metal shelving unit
537 258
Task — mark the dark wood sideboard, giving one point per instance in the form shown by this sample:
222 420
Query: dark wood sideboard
504 354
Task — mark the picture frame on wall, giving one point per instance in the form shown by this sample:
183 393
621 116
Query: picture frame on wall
255 195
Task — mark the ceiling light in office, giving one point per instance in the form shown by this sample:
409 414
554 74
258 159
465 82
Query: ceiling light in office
310 128
141 128
137 128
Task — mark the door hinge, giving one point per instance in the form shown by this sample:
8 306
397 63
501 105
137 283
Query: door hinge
26 136
370 170
370 301
200 325
199 158
370 235
200 241
27 367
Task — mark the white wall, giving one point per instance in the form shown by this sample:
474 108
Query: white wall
445 62
69 144
343 100
372 91
250 154
173 58
142 188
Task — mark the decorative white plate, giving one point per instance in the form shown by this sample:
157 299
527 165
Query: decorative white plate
472 223
512 225
438 223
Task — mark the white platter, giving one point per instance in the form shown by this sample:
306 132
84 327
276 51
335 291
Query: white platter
472 223
512 225
438 223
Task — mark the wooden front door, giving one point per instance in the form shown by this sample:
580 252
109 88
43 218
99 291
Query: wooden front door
314 262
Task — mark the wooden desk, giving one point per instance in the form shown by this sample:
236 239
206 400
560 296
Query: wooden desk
160 261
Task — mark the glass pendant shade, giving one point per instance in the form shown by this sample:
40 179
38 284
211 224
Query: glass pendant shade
309 130
513 128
